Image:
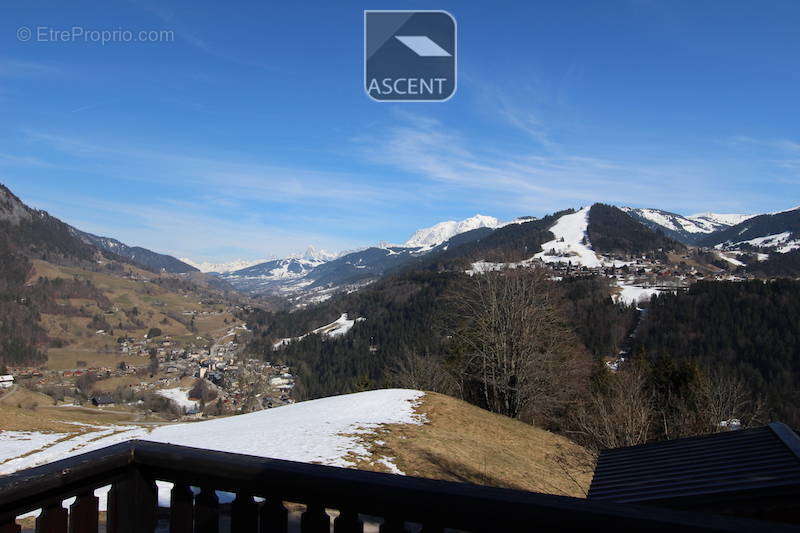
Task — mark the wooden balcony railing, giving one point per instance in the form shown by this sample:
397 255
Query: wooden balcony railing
262 486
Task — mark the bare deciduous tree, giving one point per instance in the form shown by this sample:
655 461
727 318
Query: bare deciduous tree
414 371
620 415
722 397
518 352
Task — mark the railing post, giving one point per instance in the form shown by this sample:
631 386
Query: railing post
206 511
244 513
52 520
393 524
274 517
83 514
348 522
181 509
315 519
8 524
132 504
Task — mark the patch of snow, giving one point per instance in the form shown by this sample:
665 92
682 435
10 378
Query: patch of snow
481 267
80 443
730 260
719 219
180 398
327 431
16 443
781 242
387 462
337 328
570 243
633 294
324 431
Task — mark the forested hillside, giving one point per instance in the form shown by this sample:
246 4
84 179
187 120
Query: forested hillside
751 328
777 265
19 322
407 314
37 234
612 231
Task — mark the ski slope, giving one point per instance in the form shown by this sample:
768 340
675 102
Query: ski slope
569 243
337 328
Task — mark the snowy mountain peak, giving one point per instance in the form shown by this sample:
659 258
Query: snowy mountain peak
223 268
313 254
443 231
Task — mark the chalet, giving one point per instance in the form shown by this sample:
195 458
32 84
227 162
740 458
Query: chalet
102 399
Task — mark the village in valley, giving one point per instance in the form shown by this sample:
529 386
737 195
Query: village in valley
164 377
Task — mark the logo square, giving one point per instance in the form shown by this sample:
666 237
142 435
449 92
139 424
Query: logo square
409 56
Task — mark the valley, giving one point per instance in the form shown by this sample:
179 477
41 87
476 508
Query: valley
128 343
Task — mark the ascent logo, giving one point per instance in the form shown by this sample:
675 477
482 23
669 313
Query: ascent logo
409 55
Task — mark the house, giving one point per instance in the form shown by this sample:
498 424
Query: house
6 381
750 473
102 399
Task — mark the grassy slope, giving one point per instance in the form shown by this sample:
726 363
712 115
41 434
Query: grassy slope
465 443
152 301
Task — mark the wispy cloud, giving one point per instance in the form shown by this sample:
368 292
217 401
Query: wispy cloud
230 176
525 180
10 68
787 145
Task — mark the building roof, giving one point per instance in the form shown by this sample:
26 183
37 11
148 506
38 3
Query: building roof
712 472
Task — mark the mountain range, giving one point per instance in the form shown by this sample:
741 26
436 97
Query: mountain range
609 230
576 237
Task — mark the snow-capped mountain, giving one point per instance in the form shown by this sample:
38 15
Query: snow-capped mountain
686 229
313 254
276 276
443 231
223 268
778 232
717 221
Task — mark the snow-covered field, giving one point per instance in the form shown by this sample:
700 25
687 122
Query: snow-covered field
323 431
633 294
327 431
180 397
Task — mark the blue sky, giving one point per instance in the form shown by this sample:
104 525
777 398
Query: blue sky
250 134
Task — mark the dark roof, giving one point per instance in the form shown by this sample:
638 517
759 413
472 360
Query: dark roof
711 471
102 399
